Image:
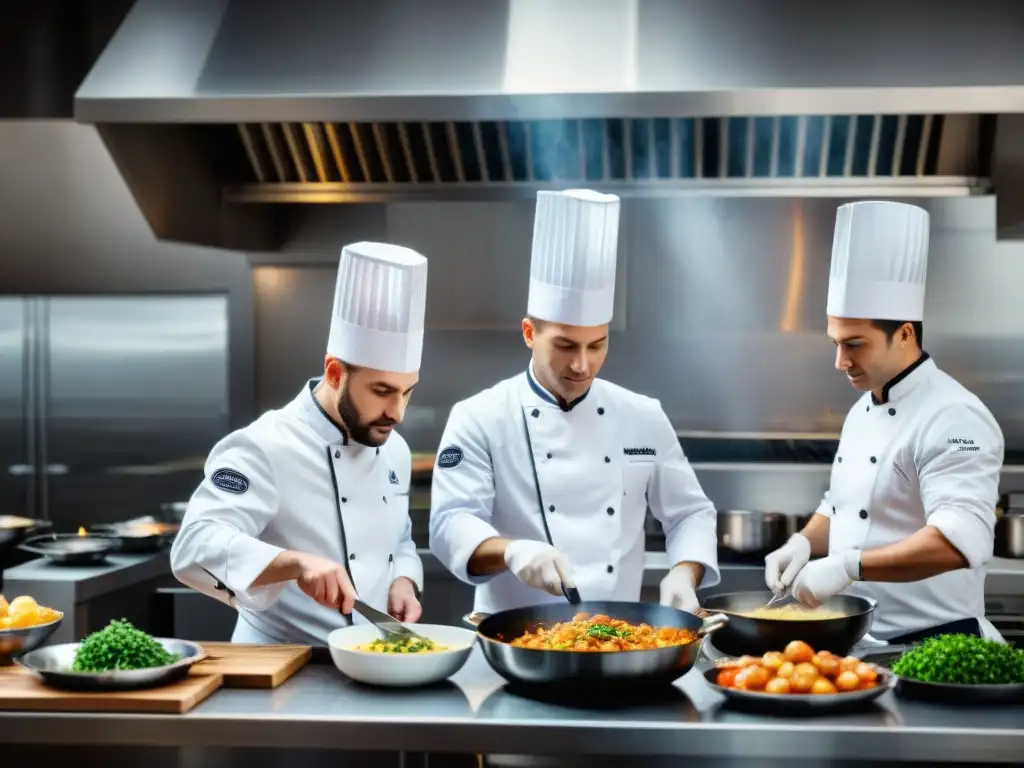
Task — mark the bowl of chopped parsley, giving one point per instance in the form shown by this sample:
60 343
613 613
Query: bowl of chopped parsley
961 669
117 657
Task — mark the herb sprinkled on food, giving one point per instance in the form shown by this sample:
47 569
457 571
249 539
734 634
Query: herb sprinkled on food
962 660
604 631
120 646
401 644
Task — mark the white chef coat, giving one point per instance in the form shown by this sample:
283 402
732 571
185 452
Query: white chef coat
285 482
929 454
599 463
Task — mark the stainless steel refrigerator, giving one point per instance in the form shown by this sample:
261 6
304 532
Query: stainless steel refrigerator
108 404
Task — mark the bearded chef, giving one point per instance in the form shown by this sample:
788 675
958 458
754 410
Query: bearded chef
542 482
909 516
307 507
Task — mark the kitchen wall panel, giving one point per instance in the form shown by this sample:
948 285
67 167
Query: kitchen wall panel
725 300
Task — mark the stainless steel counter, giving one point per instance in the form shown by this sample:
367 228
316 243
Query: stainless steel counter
475 713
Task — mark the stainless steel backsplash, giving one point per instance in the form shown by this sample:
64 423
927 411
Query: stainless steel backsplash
722 308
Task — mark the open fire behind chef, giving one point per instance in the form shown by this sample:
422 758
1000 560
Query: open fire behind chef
543 481
909 516
308 506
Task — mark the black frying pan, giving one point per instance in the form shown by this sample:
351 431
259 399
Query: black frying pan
744 635
528 666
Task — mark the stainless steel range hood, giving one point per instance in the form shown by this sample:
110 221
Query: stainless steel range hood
260 102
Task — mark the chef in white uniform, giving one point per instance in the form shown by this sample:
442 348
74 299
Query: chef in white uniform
308 506
909 516
543 481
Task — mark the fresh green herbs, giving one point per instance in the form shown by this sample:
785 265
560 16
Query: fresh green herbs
606 632
962 660
119 646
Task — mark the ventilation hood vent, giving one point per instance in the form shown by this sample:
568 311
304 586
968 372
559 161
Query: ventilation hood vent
843 156
217 110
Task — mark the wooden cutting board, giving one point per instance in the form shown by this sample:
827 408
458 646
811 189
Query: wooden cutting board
252 666
22 690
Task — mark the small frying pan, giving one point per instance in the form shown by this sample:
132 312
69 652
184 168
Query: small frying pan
533 667
746 635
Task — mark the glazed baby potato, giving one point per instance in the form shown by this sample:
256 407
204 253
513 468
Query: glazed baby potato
24 612
798 669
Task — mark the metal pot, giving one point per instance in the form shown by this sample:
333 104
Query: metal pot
1010 534
751 533
796 523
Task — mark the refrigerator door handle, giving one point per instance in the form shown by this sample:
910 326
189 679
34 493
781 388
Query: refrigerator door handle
43 401
31 416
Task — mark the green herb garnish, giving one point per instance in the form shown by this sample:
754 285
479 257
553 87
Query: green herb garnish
401 644
606 632
120 646
962 660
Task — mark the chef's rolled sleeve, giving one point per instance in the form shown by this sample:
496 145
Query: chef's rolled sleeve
825 508
677 500
461 495
217 550
961 457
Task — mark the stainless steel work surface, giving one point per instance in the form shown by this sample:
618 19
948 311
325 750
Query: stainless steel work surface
474 712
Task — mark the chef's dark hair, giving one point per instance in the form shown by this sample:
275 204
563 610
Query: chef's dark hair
889 328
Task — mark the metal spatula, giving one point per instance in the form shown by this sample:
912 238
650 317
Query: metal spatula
387 624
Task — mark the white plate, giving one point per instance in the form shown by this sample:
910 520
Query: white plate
400 669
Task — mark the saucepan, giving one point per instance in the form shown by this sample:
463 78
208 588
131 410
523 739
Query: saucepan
746 635
1010 534
751 534
533 667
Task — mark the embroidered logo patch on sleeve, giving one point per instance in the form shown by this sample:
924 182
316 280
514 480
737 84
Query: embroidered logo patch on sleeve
231 481
450 457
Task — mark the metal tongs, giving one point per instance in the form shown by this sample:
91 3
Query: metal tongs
388 625
779 598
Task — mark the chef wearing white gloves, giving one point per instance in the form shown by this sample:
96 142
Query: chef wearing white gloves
543 481
307 507
909 516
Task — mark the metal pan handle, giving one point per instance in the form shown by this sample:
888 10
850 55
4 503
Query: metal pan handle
712 623
474 619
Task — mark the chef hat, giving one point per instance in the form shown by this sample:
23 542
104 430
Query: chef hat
379 303
572 270
879 262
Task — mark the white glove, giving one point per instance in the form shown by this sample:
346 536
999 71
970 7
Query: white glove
827 577
782 565
678 590
540 565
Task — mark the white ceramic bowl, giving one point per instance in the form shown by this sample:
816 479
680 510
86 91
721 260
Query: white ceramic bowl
400 669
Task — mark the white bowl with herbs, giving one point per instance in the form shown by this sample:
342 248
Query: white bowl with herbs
118 657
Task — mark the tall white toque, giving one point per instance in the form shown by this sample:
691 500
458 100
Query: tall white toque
379 305
572 267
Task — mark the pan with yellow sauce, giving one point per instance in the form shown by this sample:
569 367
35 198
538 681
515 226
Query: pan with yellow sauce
793 613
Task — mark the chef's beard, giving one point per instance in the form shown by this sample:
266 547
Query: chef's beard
358 431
